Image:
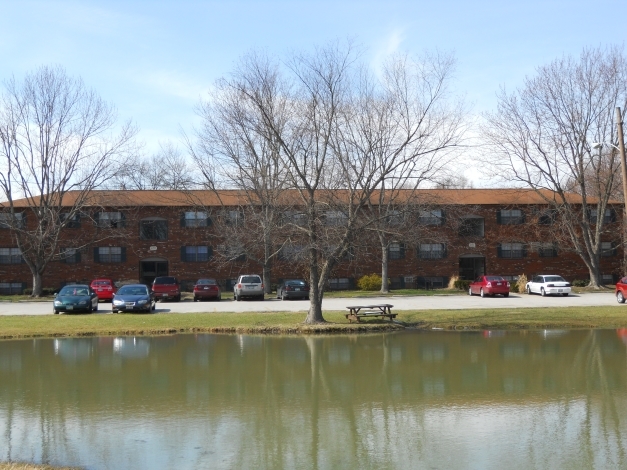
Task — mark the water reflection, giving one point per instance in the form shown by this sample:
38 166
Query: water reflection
547 399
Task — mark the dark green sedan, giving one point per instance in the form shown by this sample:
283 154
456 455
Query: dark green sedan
75 298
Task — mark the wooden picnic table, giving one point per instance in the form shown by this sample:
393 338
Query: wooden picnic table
355 312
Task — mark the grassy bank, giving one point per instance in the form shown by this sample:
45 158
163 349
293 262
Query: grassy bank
291 322
28 466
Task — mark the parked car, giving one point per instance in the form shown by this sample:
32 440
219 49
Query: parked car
75 298
489 285
133 298
207 289
548 284
292 289
166 288
104 288
621 290
248 285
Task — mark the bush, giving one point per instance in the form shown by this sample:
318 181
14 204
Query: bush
580 283
461 284
44 291
452 281
520 284
369 282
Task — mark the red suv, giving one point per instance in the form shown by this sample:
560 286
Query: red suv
104 289
166 288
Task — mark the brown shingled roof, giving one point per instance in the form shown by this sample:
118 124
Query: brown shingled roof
171 198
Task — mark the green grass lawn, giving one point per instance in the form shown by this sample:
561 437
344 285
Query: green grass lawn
292 322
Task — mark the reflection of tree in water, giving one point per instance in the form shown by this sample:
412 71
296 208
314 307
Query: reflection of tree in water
589 361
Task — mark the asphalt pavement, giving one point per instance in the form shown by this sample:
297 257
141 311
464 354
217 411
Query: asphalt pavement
399 303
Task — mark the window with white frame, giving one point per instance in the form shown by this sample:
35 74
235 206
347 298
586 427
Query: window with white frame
195 253
431 251
607 279
430 217
8 220
196 219
394 218
607 249
234 217
472 227
511 250
110 220
153 228
295 217
510 217
70 255
11 288
10 256
108 254
594 216
547 249
335 218
70 222
396 250
339 283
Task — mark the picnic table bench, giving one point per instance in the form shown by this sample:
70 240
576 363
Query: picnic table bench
355 312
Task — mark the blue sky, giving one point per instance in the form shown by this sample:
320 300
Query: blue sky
155 59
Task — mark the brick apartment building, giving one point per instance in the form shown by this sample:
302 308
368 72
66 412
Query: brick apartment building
133 236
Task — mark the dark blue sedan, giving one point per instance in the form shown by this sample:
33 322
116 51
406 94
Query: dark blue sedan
133 298
75 298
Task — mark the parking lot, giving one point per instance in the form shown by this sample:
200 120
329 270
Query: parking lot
399 303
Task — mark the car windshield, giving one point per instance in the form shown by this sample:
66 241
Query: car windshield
74 290
165 280
252 279
494 278
554 279
133 290
206 282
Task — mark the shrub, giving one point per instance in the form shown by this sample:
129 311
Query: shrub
520 285
580 283
369 282
44 291
461 284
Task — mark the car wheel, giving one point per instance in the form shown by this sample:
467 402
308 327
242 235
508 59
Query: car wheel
262 297
178 298
620 298
528 290
542 292
470 291
282 296
238 298
481 293
55 311
195 299
506 294
565 294
114 310
96 307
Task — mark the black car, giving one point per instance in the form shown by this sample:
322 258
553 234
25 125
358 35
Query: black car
293 289
133 298
75 298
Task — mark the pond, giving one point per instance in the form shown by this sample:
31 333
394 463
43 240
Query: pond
438 400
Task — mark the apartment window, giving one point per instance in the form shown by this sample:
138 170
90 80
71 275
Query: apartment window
233 252
395 218
396 250
608 216
335 218
70 255
109 254
70 222
510 217
547 217
12 288
511 250
234 217
471 227
547 250
293 252
195 219
8 220
607 249
431 217
431 282
431 251
196 253
296 218
608 279
153 229
513 278
110 219
340 283
10 256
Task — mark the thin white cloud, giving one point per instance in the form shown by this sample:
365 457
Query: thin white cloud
389 46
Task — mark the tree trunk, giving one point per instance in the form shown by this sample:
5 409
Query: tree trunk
267 279
314 315
595 276
384 269
37 286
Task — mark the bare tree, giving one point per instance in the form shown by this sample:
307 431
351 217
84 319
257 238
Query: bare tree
56 136
542 136
340 135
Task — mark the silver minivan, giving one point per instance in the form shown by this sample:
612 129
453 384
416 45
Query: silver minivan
248 285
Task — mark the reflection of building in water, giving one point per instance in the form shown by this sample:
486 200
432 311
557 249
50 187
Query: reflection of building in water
73 350
131 347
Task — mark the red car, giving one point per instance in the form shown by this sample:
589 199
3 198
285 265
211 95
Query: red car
207 289
104 289
489 285
621 290
166 288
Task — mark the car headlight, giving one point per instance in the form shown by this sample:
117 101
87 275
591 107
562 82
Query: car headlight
58 302
82 302
141 302
118 302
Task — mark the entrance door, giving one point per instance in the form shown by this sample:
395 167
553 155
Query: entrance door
471 267
151 268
